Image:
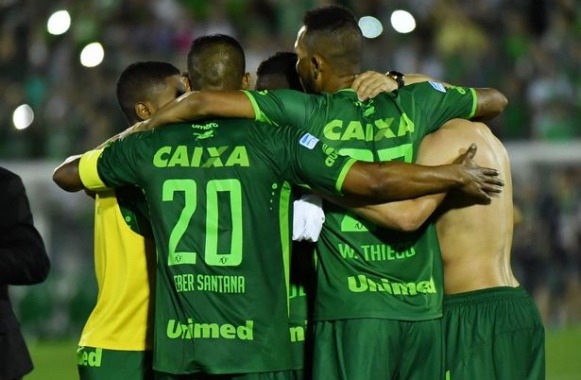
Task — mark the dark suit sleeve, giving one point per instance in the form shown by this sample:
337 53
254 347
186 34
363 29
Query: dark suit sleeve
23 257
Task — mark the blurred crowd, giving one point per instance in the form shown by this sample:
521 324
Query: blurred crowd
528 49
546 251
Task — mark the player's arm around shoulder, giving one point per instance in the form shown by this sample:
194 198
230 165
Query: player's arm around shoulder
489 102
79 172
196 105
389 181
409 215
66 175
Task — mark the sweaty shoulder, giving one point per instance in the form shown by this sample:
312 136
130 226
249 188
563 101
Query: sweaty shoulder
456 135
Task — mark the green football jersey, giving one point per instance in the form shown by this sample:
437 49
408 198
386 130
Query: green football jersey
219 198
133 207
365 271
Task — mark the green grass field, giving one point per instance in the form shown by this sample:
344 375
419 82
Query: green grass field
56 360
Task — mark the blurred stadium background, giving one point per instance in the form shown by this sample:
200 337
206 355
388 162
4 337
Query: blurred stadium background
59 61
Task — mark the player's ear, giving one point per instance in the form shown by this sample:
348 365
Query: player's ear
143 110
317 64
186 81
245 85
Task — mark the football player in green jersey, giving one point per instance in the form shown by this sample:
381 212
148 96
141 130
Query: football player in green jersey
117 339
492 326
462 108
142 88
278 71
373 285
209 186
199 338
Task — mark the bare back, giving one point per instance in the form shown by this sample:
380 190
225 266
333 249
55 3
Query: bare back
475 240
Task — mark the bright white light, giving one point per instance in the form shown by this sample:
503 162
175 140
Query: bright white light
402 21
22 117
92 55
370 26
58 23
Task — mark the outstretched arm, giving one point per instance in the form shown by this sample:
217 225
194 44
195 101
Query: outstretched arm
389 181
66 175
410 214
190 106
197 105
490 102
407 215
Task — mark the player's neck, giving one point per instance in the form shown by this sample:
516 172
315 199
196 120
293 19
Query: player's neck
337 83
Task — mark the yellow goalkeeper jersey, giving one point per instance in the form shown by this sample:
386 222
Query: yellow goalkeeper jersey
125 270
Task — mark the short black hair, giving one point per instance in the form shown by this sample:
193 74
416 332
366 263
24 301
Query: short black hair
216 61
333 32
281 64
138 82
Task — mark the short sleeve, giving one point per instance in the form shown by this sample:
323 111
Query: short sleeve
434 104
283 107
305 160
111 167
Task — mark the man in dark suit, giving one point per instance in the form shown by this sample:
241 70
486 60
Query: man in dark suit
23 261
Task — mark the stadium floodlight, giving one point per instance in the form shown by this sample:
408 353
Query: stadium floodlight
370 26
22 117
403 21
92 55
58 23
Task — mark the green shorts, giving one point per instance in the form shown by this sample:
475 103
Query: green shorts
383 349
493 333
280 375
101 364
302 348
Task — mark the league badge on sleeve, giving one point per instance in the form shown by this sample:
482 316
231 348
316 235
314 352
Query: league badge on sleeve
438 86
308 141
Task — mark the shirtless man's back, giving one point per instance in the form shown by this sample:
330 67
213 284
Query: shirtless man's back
492 326
476 239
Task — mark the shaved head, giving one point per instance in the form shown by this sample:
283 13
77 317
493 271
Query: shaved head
216 62
332 32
